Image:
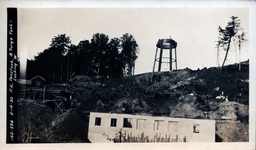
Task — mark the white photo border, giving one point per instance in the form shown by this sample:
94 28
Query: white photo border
251 5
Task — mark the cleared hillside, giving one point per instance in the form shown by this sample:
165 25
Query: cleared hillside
215 93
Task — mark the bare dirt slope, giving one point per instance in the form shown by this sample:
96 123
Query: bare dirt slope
216 93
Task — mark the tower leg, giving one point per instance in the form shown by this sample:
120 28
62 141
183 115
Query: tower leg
160 60
170 57
175 58
155 60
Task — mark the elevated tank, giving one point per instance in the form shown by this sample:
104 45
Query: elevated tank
165 44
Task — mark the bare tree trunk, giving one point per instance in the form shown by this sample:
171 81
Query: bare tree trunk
53 77
229 41
133 69
99 66
217 61
68 70
61 72
239 45
71 69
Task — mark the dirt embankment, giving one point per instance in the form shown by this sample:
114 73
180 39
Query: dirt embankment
39 123
220 94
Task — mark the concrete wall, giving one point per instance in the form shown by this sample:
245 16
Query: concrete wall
149 129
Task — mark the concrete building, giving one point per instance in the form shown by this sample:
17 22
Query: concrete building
108 127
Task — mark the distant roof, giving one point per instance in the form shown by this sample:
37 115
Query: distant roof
38 77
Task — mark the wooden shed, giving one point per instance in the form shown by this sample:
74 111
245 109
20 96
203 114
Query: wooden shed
38 81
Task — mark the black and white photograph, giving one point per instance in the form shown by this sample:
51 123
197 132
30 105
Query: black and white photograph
131 76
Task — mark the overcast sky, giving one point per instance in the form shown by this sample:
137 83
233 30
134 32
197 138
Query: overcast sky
194 29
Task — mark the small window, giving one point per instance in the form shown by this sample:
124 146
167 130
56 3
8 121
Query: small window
173 126
127 123
196 128
141 123
159 125
97 121
113 122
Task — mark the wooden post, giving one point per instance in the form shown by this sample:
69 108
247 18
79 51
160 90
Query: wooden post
120 136
34 95
44 93
24 94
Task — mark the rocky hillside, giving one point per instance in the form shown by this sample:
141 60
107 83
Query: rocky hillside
214 93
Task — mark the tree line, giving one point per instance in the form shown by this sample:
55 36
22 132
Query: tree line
101 56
